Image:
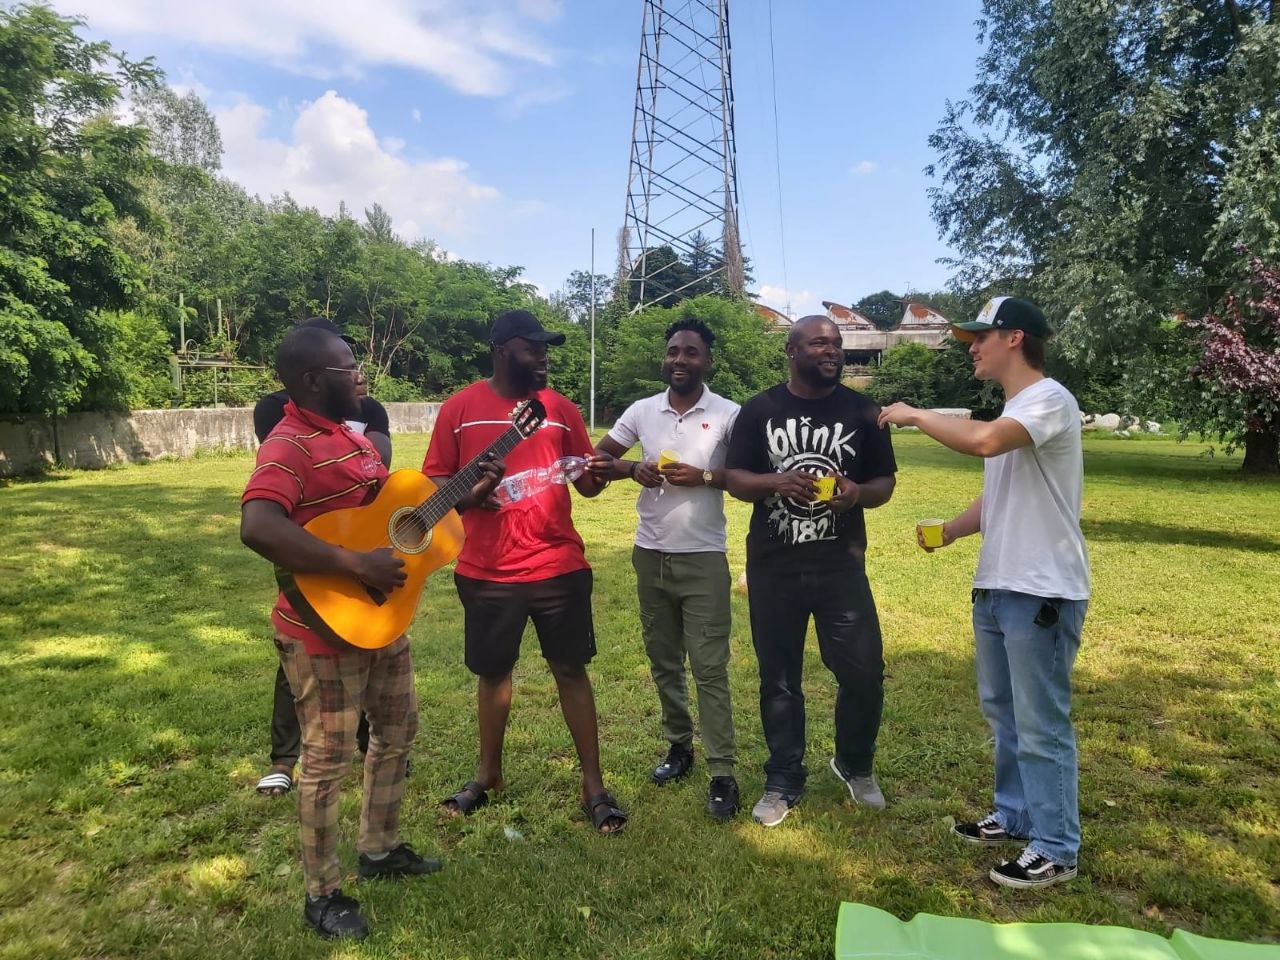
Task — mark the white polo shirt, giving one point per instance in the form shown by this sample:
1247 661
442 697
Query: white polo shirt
680 519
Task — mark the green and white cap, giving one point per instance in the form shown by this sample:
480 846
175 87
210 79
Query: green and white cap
1005 313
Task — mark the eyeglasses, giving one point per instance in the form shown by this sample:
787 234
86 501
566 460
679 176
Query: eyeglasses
360 370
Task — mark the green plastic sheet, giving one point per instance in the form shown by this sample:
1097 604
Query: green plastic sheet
865 933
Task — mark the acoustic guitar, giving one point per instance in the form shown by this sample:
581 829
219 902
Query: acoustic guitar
418 522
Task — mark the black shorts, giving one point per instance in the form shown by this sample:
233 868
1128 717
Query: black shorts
496 614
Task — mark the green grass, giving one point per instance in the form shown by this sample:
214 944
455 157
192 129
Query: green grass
136 673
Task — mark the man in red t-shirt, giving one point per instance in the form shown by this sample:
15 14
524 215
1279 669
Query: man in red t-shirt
525 560
312 462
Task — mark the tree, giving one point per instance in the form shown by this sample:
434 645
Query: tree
749 355
1238 372
905 374
1109 161
182 131
883 309
377 223
69 173
574 299
667 279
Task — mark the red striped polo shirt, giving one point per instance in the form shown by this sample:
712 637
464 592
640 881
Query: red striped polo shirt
310 465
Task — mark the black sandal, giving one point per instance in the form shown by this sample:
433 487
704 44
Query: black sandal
467 801
604 807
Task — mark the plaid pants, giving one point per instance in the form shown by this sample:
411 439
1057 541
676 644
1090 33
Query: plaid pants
329 691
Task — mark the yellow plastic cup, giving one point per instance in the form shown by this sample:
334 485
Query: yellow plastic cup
668 457
931 532
826 488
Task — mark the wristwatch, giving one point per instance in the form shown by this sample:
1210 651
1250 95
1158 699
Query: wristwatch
706 477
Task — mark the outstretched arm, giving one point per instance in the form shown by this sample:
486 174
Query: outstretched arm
974 437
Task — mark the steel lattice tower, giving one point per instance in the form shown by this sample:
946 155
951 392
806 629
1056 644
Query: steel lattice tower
683 177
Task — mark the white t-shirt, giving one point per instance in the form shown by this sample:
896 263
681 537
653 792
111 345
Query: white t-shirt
680 519
1031 539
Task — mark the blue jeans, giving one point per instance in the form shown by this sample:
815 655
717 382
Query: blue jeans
1024 684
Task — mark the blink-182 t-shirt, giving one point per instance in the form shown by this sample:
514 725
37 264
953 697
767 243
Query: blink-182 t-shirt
1031 539
777 432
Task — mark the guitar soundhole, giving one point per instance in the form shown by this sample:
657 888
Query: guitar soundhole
408 531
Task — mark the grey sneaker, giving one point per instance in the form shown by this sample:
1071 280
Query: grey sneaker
771 809
864 790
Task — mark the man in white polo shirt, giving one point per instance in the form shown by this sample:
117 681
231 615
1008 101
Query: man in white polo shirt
682 576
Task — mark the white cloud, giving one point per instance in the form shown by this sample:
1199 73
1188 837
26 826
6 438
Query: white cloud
416 114
864 167
333 155
801 302
470 46
544 10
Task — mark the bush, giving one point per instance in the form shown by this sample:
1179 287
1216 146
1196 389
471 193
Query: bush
907 374
749 355
389 389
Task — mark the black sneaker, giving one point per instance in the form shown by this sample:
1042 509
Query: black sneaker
678 764
722 798
986 830
400 862
335 917
1031 871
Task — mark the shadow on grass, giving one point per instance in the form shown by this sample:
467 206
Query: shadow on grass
1138 531
137 694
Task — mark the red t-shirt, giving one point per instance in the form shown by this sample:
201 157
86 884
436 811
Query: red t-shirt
531 539
310 465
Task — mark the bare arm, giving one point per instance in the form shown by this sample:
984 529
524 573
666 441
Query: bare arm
967 523
598 475
382 443
266 529
973 437
876 492
753 487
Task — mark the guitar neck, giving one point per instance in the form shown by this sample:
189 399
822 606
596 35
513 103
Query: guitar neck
457 487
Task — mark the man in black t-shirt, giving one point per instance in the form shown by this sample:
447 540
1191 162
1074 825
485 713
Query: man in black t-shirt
286 735
805 557
373 422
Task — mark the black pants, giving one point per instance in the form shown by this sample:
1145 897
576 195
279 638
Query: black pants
286 735
844 613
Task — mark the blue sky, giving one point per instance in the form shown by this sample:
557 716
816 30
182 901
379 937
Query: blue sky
501 128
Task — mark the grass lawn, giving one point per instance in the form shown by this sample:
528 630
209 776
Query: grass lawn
137 673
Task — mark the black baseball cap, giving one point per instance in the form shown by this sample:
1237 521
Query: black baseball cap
1005 313
324 323
521 323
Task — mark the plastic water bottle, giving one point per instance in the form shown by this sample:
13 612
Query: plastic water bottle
530 483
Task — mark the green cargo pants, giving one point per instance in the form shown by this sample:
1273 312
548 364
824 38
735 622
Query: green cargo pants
684 610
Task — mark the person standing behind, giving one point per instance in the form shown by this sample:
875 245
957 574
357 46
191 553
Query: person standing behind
806 557
373 423
311 463
1031 589
525 561
682 575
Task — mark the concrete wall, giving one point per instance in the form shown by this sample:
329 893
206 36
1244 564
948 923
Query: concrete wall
94 440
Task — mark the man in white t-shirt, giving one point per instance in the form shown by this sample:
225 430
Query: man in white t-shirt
1031 589
682 576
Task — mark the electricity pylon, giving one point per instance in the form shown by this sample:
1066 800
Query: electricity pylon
682 187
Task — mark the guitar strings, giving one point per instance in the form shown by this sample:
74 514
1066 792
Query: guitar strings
425 514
